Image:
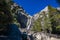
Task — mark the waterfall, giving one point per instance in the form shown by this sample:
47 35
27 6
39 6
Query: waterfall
29 23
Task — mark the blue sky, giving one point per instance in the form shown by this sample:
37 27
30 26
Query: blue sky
34 6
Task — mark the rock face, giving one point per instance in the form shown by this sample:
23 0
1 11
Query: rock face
43 36
35 17
39 14
22 17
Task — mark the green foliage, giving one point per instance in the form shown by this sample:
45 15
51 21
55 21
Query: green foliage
13 13
51 9
55 19
58 28
5 12
51 23
47 22
37 26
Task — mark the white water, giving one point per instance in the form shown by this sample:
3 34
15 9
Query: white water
29 23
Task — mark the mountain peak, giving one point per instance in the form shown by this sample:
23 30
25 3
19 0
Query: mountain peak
45 9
